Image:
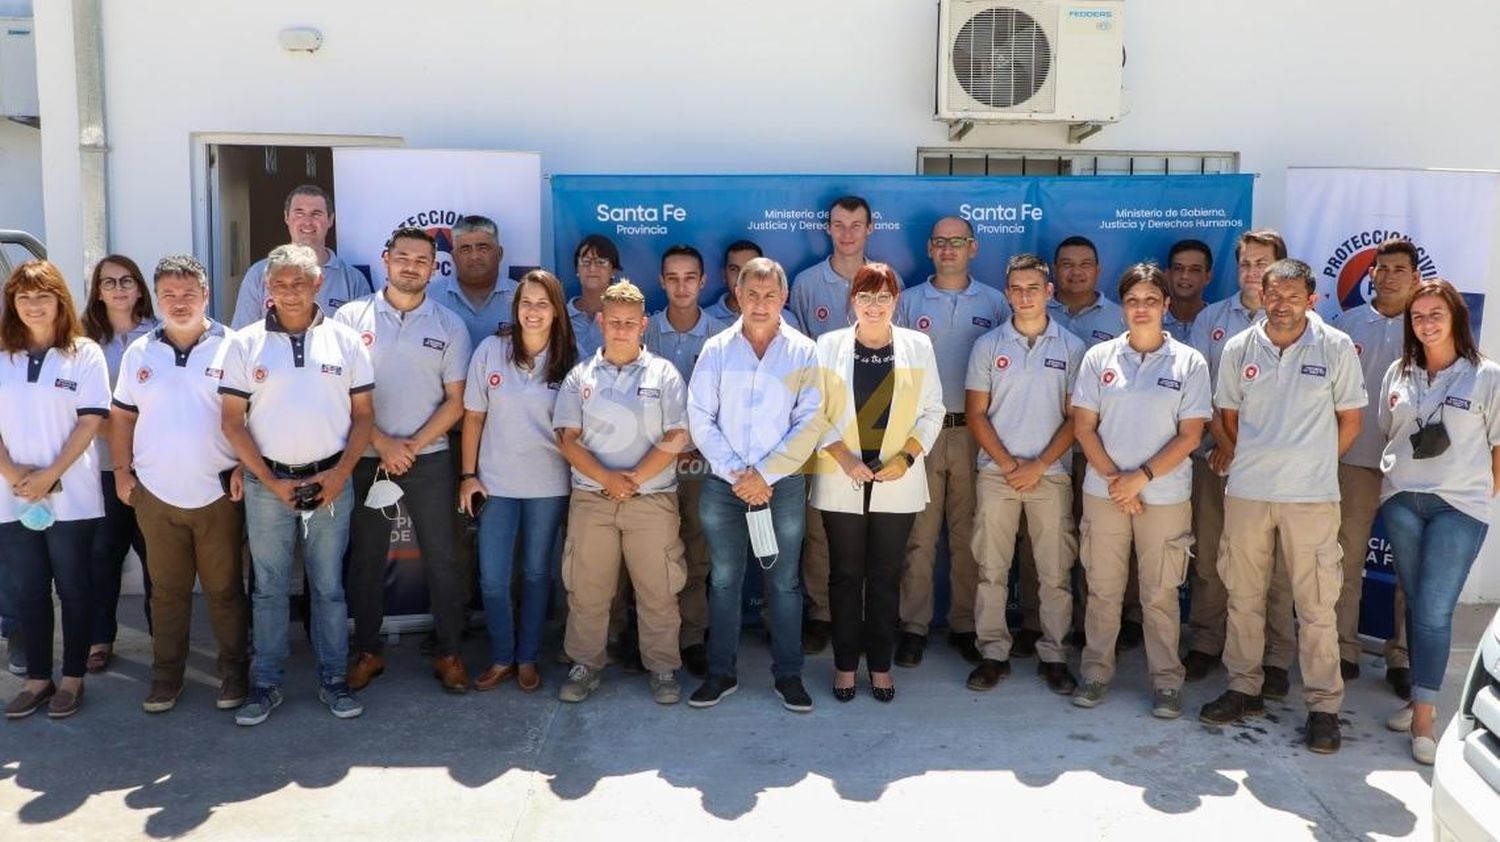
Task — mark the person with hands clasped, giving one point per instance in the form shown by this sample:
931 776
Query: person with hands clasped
883 408
621 421
515 480
1139 408
1020 376
54 394
298 411
1440 413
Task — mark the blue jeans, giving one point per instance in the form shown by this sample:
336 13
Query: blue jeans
273 530
723 516
1435 545
536 521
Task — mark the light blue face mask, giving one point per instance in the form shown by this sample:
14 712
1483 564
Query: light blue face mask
39 515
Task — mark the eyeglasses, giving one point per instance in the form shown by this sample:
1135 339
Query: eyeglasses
122 282
865 299
593 263
950 242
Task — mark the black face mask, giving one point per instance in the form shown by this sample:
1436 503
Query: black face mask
1430 441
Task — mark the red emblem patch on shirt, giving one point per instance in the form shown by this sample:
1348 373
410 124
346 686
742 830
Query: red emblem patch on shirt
1108 377
260 374
496 378
1394 398
822 314
1002 362
368 338
1217 335
1252 371
1359 350
924 323
588 391
143 375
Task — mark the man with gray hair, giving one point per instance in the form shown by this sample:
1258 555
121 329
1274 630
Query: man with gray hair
308 213
1289 396
476 292
176 468
753 413
298 410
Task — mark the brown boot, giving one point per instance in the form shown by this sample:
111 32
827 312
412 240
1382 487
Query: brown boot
494 676
449 671
365 668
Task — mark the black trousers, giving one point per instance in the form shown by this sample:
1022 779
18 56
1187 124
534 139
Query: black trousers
57 556
865 554
429 498
116 535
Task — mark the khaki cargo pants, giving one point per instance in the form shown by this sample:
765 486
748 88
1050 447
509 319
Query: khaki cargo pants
950 485
1049 516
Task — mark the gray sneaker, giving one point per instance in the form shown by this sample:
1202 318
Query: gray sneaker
341 702
1166 704
581 682
1089 694
16 650
664 688
262 701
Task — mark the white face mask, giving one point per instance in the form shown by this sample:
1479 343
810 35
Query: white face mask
762 536
383 493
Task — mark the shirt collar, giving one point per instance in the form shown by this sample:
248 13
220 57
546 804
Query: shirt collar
698 329
1096 304
639 362
213 329
1311 335
930 289
1008 330
383 305
273 325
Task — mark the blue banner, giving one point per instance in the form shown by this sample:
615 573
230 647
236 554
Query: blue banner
1129 218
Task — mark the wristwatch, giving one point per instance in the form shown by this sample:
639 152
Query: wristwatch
910 459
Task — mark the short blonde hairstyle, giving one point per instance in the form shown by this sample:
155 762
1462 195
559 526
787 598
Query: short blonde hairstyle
623 292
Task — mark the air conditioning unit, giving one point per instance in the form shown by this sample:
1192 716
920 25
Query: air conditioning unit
18 99
1030 60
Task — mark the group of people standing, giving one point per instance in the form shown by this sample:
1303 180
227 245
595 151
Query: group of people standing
827 428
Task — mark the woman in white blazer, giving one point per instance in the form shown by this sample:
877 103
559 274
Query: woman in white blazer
883 408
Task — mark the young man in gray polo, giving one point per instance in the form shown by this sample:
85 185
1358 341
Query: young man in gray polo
1289 396
420 352
621 422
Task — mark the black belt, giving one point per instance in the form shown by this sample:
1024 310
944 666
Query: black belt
955 419
285 471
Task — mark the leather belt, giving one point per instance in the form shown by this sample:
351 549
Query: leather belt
955 419
285 471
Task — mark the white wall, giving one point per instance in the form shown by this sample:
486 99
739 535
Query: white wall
769 86
21 178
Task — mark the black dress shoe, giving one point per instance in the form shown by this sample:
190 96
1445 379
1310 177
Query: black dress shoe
909 649
1231 707
1199 665
1276 684
1059 679
1400 680
989 673
1349 669
695 660
1323 733
1131 636
1023 643
815 635
844 694
967 644
883 694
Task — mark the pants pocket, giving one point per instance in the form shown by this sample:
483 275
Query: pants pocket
1085 545
1176 557
676 564
567 563
1330 574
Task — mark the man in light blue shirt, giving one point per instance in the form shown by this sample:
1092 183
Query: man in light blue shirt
753 412
308 213
476 292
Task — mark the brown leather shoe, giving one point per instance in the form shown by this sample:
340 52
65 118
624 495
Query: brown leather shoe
163 697
528 678
26 702
365 668
449 671
494 676
65 703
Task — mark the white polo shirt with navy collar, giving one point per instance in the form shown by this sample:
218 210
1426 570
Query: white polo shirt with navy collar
1028 384
1100 321
179 447
953 320
42 396
820 298
342 283
1287 449
1141 399
623 412
299 386
1379 341
483 320
414 354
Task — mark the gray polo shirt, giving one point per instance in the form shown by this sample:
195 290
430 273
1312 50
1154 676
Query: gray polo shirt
1216 325
518 455
1178 328
1466 398
680 348
1378 341
1028 386
1287 450
588 334
623 413
952 320
342 283
1098 322
299 386
720 310
1140 399
413 354
820 298
481 321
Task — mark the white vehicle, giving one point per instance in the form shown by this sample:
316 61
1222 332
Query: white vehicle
1466 776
